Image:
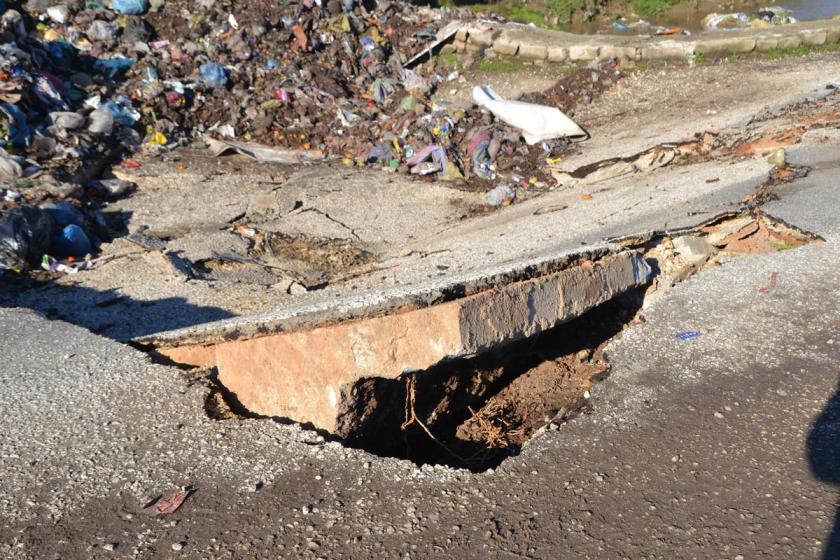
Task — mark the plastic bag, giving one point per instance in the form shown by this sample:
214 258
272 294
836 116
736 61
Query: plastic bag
131 7
71 241
213 75
25 234
537 122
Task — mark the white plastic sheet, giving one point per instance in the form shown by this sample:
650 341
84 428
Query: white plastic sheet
537 122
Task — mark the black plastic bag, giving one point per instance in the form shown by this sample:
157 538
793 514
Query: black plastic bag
25 233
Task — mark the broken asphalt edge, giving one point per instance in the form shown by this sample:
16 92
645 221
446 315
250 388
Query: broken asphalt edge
309 375
416 295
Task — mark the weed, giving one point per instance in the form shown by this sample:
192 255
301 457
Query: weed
449 60
499 65
802 50
646 8
783 246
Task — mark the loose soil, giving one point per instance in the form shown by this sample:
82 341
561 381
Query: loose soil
475 412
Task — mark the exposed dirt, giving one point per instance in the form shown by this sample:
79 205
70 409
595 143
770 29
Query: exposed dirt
310 260
762 235
580 88
475 412
553 388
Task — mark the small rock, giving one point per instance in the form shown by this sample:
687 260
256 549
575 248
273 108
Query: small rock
718 415
177 546
500 196
296 289
778 158
691 246
109 546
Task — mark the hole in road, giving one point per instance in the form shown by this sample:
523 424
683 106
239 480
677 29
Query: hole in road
474 413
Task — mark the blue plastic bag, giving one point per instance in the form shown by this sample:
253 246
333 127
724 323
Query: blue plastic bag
130 7
63 214
20 133
213 75
110 67
122 111
72 241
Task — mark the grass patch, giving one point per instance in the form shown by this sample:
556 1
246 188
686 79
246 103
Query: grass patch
783 246
801 50
449 60
645 8
525 14
498 65
511 11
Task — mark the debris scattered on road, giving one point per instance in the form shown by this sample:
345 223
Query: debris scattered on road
688 335
168 502
263 154
500 196
25 234
774 277
778 158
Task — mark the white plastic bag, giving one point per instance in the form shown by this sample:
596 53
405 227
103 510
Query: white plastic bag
537 122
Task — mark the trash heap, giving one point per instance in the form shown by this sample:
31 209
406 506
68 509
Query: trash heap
333 77
85 83
763 18
62 119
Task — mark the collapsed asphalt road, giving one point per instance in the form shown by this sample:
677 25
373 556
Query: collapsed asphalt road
726 445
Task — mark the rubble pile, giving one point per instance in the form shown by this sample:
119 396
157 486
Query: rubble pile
85 83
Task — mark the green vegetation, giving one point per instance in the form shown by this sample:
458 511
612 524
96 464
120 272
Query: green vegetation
646 8
525 14
802 50
783 246
509 10
449 60
556 13
498 65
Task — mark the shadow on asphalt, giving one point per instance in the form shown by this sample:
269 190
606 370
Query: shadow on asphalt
824 456
106 313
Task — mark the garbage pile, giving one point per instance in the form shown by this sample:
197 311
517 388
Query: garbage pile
330 77
84 83
765 17
62 118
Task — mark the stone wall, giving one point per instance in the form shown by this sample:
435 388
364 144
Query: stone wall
536 44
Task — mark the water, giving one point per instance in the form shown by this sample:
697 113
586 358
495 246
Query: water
812 9
690 14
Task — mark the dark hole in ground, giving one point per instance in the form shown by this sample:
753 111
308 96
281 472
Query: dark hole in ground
474 413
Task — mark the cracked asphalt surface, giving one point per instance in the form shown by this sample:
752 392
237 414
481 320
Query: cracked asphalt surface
724 446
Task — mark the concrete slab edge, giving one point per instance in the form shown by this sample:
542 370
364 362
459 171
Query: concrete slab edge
309 375
424 293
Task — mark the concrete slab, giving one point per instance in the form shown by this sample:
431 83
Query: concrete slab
273 367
